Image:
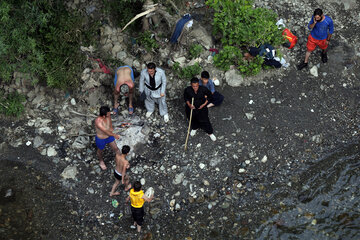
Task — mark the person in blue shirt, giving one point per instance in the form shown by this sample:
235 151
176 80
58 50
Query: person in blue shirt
322 28
205 81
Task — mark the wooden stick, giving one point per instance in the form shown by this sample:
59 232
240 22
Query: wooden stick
139 16
187 136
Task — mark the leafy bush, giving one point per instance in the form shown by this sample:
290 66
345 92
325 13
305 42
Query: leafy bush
42 38
252 67
121 12
147 40
195 50
186 72
242 25
228 56
11 105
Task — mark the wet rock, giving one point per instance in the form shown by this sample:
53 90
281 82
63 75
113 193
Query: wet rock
69 172
233 78
314 71
178 178
50 152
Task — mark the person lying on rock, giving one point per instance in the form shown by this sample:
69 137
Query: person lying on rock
217 98
104 134
124 83
152 88
121 164
200 119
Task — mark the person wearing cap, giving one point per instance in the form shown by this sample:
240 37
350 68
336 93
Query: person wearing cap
200 115
124 83
322 28
152 87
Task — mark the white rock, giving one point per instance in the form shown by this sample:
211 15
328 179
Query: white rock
69 172
314 71
149 192
172 202
247 162
178 178
28 143
239 185
73 101
241 170
180 60
264 159
173 167
198 145
233 78
216 81
142 181
249 115
201 166
51 152
177 207
206 183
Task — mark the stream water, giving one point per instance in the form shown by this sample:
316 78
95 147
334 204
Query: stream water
327 206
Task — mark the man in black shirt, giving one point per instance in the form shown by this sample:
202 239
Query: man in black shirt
200 118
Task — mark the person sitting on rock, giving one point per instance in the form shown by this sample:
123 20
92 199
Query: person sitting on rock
104 134
153 85
121 164
138 198
217 98
200 119
124 83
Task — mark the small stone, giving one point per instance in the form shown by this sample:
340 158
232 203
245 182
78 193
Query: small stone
69 172
172 203
202 166
264 159
247 162
206 183
51 152
314 71
241 170
177 207
90 190
142 181
73 101
178 178
249 115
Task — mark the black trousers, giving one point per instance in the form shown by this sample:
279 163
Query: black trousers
200 119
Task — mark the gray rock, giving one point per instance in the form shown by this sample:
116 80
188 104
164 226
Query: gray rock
234 79
214 162
178 178
38 141
201 36
51 152
121 55
69 172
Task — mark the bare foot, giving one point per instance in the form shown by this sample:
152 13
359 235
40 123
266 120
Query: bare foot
102 165
128 187
114 194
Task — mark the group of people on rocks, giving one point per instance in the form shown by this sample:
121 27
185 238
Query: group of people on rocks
199 96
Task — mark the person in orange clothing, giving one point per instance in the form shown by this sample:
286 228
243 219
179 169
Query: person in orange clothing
137 199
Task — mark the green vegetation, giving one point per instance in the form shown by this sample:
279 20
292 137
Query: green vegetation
186 72
195 50
241 25
11 105
148 41
42 38
121 12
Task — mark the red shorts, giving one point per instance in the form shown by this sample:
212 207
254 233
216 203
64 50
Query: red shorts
312 43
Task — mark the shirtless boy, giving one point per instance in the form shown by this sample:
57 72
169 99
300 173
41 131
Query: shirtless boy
104 134
124 82
120 171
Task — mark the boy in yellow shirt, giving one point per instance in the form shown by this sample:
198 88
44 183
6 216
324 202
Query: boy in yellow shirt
138 198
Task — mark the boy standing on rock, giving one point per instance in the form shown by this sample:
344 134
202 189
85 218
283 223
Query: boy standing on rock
104 134
138 198
120 171
322 28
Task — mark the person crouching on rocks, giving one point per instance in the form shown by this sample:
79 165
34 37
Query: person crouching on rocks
138 198
200 119
217 98
104 134
121 164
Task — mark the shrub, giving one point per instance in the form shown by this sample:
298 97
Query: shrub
186 72
147 40
195 50
242 25
11 104
42 38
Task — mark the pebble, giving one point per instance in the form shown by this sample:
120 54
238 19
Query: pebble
264 159
90 190
241 170
202 166
206 183
247 162
142 181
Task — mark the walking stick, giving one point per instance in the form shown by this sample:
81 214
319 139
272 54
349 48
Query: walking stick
187 136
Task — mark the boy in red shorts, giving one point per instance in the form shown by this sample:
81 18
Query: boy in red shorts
322 27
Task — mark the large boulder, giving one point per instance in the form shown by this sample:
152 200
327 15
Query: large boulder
234 79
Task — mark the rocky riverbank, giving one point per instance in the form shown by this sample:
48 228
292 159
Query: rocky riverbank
271 129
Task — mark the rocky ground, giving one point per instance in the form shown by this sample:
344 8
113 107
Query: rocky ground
271 128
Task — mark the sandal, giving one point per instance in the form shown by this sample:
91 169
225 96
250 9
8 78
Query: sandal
115 111
131 110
